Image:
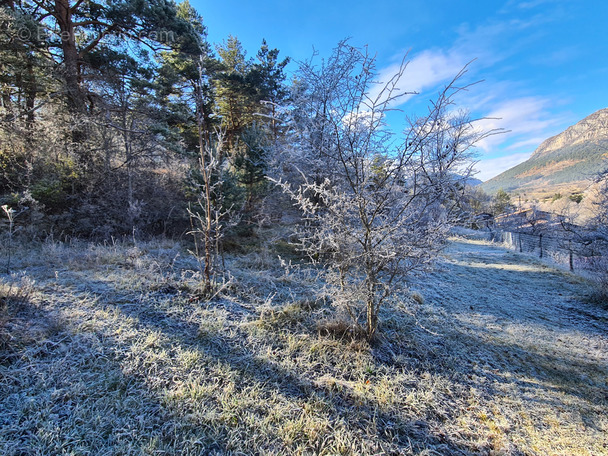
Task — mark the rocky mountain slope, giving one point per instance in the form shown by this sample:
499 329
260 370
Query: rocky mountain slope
565 163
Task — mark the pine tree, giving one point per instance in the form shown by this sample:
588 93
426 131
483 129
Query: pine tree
76 30
267 76
236 97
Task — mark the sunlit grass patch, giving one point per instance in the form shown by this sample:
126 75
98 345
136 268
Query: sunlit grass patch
114 356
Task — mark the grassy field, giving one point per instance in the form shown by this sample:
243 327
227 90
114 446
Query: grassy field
105 350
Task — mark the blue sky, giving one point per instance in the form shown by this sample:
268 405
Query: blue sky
543 63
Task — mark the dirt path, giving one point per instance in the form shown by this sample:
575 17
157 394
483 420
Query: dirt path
516 298
523 329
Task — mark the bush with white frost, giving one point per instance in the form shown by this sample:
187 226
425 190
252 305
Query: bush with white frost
376 207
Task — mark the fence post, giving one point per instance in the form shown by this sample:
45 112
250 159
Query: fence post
520 246
540 242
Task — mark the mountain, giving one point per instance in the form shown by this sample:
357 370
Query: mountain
473 182
565 163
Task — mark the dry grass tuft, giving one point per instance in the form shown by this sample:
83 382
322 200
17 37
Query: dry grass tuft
341 329
15 294
15 291
598 293
417 297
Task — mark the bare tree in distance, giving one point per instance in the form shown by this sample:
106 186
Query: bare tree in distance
377 207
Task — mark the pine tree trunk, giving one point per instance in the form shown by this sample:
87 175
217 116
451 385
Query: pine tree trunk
30 97
71 76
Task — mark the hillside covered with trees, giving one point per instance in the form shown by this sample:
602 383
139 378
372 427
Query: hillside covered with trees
102 104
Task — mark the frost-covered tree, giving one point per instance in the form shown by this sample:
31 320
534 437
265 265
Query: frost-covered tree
377 207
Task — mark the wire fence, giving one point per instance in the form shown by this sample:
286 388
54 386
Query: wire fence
576 254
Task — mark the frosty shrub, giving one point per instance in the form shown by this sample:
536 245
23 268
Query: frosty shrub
376 207
210 217
599 227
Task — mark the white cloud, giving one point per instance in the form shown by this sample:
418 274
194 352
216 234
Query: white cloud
510 105
482 46
430 68
531 143
489 168
534 4
424 71
525 119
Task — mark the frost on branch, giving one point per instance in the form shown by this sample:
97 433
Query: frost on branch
376 207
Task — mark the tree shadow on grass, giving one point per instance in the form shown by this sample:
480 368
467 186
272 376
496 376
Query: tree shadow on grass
63 391
540 307
390 434
158 424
